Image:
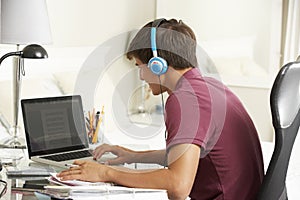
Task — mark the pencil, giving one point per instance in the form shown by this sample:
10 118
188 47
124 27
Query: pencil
95 136
102 111
90 120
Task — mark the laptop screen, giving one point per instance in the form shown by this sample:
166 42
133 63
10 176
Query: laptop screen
54 124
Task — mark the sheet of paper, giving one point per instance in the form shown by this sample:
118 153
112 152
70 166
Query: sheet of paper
55 179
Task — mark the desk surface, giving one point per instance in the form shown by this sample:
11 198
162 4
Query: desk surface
19 182
13 183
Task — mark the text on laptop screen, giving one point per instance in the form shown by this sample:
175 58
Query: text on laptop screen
54 123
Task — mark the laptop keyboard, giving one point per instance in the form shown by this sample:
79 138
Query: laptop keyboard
69 156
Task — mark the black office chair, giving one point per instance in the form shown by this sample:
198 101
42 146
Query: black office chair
285 108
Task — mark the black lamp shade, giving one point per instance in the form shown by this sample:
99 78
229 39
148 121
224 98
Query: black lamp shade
34 51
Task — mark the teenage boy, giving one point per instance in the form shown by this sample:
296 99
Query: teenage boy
213 150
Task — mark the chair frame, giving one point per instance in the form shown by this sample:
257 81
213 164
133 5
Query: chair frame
285 109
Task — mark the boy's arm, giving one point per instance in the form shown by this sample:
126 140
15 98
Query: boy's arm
124 155
177 179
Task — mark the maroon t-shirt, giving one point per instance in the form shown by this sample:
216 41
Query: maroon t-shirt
204 112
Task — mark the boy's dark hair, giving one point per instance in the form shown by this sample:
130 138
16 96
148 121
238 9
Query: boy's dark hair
175 41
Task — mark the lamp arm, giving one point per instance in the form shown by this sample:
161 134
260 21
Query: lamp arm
17 53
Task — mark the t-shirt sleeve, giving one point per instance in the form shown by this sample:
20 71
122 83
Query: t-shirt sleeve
188 119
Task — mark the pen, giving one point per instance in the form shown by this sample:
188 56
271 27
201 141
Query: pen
87 125
71 165
97 118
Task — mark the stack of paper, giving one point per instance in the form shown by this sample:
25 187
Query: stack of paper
56 180
75 189
29 171
106 192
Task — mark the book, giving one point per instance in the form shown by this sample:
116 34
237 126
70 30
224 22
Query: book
35 184
29 171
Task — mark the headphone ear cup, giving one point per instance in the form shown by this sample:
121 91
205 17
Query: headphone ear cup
158 65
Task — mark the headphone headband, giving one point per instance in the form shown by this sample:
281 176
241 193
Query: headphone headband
156 64
156 23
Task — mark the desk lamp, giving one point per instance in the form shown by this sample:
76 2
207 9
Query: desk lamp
23 23
32 51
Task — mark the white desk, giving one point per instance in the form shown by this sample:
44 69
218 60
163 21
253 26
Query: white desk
10 195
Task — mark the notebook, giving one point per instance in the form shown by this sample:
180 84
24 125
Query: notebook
55 130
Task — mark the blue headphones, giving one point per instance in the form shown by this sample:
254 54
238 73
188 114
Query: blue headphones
156 64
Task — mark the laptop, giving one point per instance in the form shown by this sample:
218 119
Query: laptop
55 130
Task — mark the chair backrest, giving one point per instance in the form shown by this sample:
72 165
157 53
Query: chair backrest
285 108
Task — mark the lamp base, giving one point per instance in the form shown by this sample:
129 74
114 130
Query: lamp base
13 143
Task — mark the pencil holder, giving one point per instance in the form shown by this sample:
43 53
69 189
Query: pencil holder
95 123
98 135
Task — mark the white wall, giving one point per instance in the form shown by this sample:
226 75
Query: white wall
91 22
257 103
